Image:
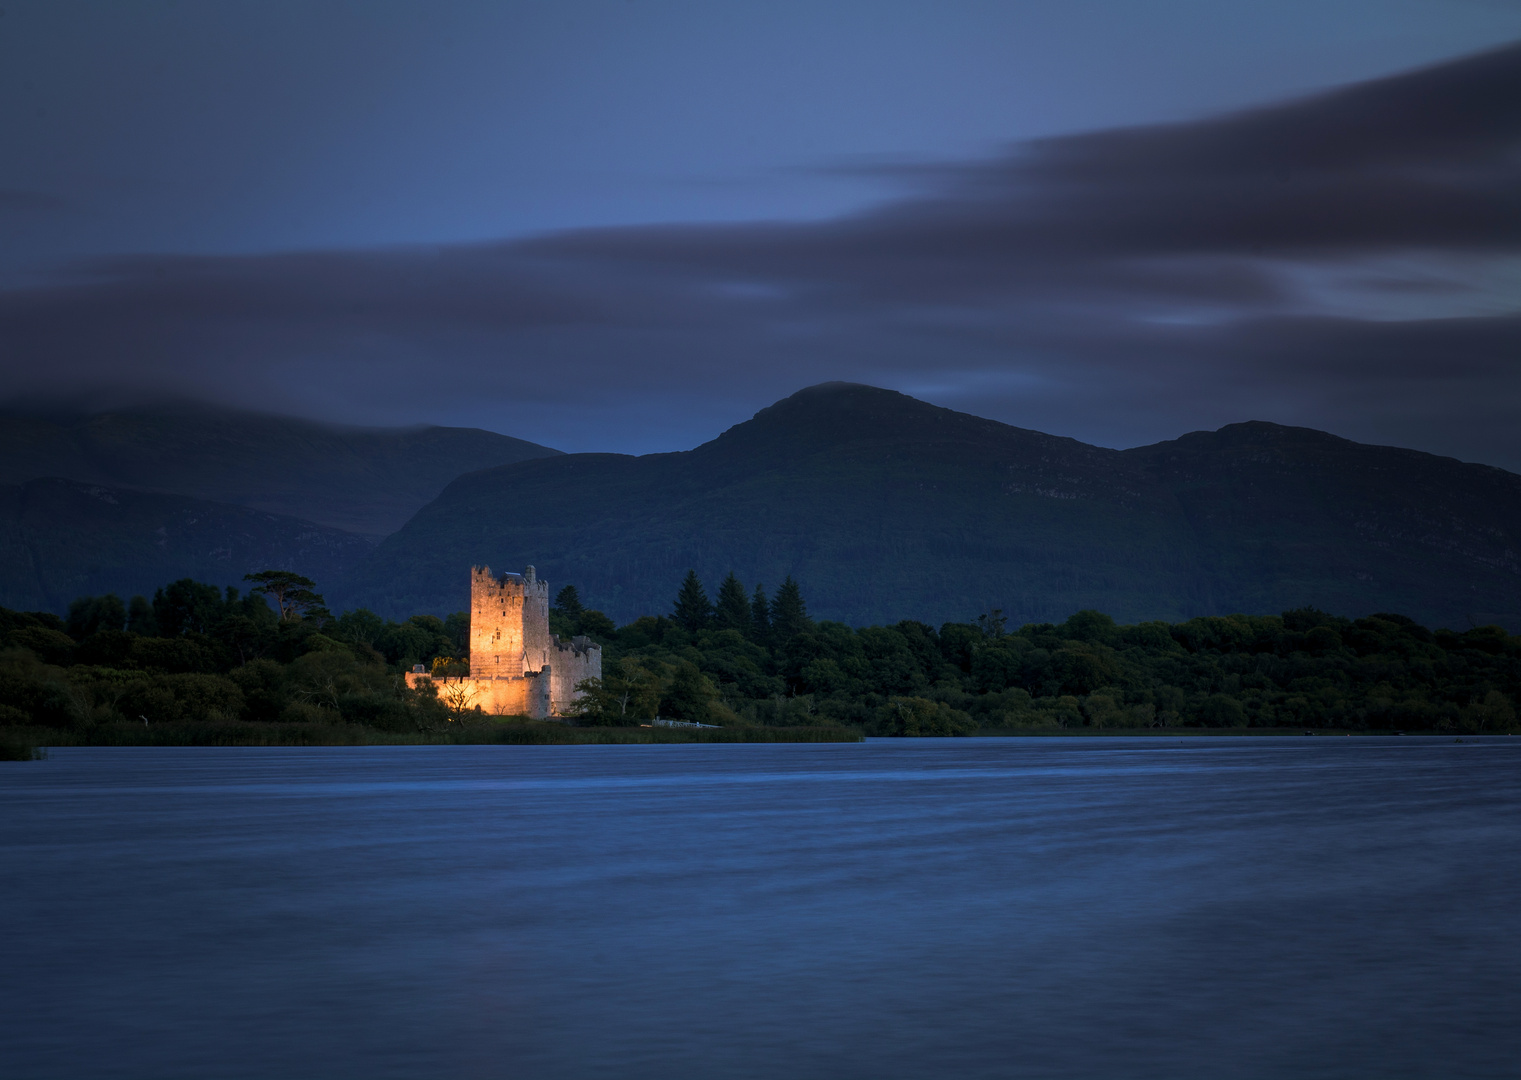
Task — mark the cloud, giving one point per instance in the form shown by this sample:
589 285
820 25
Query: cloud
1351 260
27 203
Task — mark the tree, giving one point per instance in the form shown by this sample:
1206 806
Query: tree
732 612
633 691
760 613
360 626
457 630
249 635
789 615
627 693
693 608
1093 627
416 641
914 716
292 593
568 602
140 618
993 623
596 625
187 606
1221 710
457 698
1495 710
690 695
91 613
1103 710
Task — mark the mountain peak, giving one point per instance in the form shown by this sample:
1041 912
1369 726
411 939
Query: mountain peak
843 397
836 414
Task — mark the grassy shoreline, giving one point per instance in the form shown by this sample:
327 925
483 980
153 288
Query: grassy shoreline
17 742
1195 732
27 743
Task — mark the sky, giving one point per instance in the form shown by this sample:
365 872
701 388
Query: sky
626 226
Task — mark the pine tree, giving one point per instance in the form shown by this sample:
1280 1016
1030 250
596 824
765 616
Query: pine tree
693 610
732 612
292 593
568 601
760 614
789 615
140 617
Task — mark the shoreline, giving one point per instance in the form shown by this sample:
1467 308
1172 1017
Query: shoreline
18 743
27 743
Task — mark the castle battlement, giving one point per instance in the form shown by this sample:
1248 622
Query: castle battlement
517 667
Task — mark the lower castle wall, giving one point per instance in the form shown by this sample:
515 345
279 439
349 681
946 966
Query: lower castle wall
526 696
570 662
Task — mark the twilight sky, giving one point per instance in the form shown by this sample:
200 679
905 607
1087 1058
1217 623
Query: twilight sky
629 225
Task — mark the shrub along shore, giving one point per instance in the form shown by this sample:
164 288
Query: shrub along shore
197 665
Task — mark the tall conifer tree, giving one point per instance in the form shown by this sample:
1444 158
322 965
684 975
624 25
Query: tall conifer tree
789 615
693 609
732 611
760 614
568 601
140 618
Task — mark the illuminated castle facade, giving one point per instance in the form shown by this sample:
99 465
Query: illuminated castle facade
517 667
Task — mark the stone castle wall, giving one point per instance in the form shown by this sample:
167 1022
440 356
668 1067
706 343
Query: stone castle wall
574 660
494 697
517 667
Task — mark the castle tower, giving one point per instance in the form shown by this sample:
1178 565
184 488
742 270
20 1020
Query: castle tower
517 667
509 624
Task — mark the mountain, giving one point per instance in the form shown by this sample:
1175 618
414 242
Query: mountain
362 480
884 507
1286 516
60 539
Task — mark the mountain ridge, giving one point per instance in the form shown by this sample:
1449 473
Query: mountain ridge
366 480
61 539
885 507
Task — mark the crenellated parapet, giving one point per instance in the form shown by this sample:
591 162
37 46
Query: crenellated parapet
517 667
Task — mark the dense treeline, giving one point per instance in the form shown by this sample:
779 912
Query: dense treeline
195 654
198 653
742 657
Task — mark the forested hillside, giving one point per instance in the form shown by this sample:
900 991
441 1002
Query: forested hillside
361 480
61 539
884 507
881 506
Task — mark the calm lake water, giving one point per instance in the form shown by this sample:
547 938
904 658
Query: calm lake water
1230 907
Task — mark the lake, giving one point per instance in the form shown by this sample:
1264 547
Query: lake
1205 907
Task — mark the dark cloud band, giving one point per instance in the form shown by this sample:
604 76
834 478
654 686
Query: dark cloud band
1288 263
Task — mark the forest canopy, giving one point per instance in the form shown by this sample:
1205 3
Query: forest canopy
740 657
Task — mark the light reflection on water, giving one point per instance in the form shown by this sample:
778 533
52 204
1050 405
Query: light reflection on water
910 908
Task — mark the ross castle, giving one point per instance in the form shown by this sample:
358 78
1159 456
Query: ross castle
517 667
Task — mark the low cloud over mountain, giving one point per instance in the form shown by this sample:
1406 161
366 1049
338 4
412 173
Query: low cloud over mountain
1350 261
